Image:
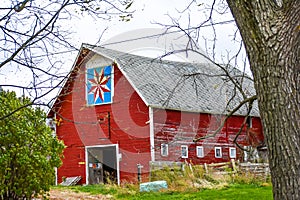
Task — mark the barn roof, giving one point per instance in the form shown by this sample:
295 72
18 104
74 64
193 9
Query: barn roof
193 87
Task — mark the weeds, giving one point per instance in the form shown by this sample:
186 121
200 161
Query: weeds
248 178
193 177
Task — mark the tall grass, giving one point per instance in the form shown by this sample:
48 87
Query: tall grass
193 177
187 178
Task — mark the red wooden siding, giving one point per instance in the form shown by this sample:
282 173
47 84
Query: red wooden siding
124 122
180 128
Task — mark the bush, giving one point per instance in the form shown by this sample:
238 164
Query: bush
28 150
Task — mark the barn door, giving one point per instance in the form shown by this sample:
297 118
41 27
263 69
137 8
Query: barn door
102 164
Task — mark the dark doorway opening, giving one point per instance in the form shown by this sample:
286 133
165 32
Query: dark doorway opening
102 165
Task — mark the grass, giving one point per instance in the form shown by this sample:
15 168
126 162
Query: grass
230 192
236 192
96 189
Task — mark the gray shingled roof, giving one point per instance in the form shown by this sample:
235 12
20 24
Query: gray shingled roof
168 84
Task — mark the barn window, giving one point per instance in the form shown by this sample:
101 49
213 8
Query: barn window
184 151
164 149
218 152
232 152
200 151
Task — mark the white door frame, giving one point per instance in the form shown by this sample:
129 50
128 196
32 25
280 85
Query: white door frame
87 164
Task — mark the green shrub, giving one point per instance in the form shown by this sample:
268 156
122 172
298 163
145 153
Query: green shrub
28 150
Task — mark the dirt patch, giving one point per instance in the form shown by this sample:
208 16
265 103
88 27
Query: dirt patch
71 195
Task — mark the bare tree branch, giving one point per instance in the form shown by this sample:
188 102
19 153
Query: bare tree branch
248 100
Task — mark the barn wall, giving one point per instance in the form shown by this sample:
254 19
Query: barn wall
180 128
74 153
123 122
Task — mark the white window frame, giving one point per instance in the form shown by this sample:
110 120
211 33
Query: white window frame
220 150
231 154
186 150
201 150
164 149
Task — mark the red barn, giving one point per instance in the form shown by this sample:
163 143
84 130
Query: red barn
118 112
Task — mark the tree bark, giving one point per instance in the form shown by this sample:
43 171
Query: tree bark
271 33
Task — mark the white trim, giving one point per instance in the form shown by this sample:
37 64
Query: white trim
87 165
162 146
55 133
232 155
151 128
118 163
187 151
56 178
220 149
202 150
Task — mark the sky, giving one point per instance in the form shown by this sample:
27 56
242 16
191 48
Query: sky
148 14
149 17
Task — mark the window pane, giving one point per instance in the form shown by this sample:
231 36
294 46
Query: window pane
184 151
200 152
164 149
232 152
218 152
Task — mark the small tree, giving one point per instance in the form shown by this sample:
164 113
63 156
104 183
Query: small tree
28 150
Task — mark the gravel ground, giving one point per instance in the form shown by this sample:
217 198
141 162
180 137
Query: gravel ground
71 195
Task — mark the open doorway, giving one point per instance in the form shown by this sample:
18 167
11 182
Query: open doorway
102 164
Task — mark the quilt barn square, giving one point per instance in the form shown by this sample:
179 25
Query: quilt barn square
98 85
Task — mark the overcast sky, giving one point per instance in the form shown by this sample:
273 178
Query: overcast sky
147 13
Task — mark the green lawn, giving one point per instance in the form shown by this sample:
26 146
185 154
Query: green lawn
231 192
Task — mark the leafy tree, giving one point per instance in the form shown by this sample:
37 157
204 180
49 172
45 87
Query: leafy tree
29 151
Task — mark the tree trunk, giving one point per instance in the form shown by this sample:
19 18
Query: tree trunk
271 32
